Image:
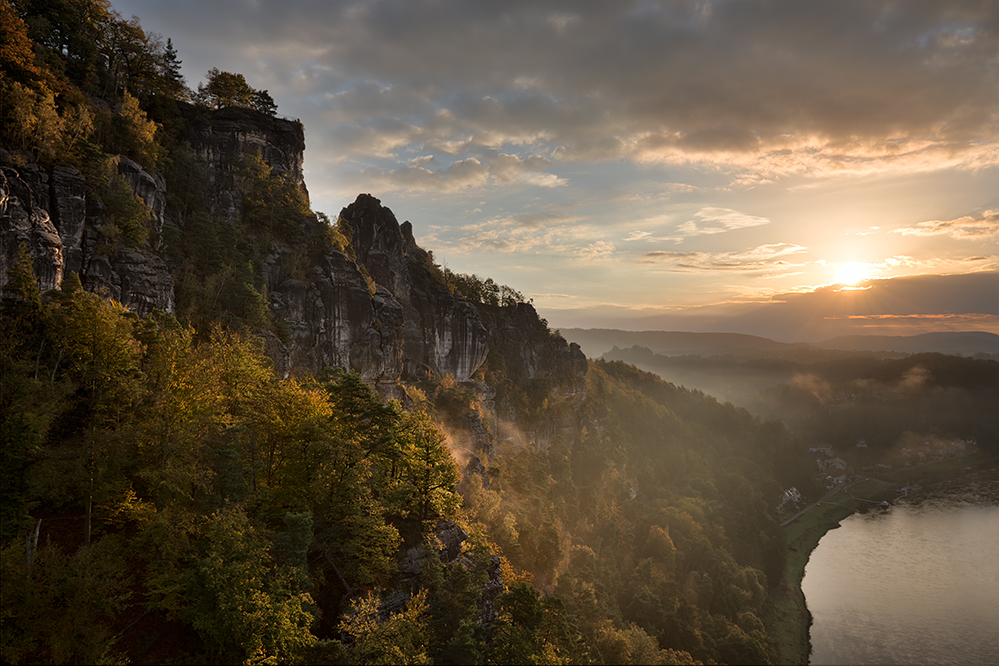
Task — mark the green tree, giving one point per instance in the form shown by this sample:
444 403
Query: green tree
247 608
180 412
173 81
431 470
126 216
69 35
129 131
94 338
263 102
520 635
273 206
26 407
62 608
223 89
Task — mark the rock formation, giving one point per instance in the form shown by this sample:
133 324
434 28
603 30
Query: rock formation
384 312
221 138
25 220
442 333
48 211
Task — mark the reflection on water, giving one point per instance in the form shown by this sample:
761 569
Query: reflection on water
918 584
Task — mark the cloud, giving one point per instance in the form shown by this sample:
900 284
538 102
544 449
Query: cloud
552 233
719 220
596 251
898 306
558 296
473 172
764 90
538 220
770 257
968 227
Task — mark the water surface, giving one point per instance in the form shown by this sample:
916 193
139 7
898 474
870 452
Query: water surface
917 584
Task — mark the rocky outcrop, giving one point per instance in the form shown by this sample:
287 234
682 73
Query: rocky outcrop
384 312
69 208
404 324
138 279
25 220
532 349
410 327
48 211
221 138
334 320
442 332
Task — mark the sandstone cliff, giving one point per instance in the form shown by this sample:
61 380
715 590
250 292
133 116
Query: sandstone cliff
50 213
380 308
221 138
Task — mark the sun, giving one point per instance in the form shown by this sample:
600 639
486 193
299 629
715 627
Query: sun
852 273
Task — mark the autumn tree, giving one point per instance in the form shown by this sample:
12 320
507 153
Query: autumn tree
401 639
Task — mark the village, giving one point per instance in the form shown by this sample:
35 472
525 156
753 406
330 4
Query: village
833 471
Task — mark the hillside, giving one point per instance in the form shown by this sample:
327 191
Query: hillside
598 341
837 399
963 343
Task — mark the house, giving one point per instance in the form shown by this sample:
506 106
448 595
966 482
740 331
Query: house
827 450
835 478
835 463
792 495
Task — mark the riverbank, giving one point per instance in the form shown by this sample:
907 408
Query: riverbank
786 615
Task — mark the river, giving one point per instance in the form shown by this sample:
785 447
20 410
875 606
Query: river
915 584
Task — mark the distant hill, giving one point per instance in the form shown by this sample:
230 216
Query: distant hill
963 343
598 341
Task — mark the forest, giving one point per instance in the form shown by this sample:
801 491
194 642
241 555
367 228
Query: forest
841 398
168 497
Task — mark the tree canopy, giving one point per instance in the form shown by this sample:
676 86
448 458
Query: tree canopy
222 89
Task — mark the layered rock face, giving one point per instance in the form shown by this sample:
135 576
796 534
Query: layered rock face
334 320
25 220
50 214
220 139
442 332
526 342
411 327
383 312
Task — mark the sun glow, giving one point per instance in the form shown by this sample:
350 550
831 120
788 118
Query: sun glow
852 273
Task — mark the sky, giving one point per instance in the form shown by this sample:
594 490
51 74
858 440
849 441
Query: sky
796 170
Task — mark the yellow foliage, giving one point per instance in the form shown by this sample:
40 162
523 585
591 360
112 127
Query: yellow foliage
400 639
137 134
35 124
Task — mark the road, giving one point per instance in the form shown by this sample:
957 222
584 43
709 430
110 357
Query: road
822 499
